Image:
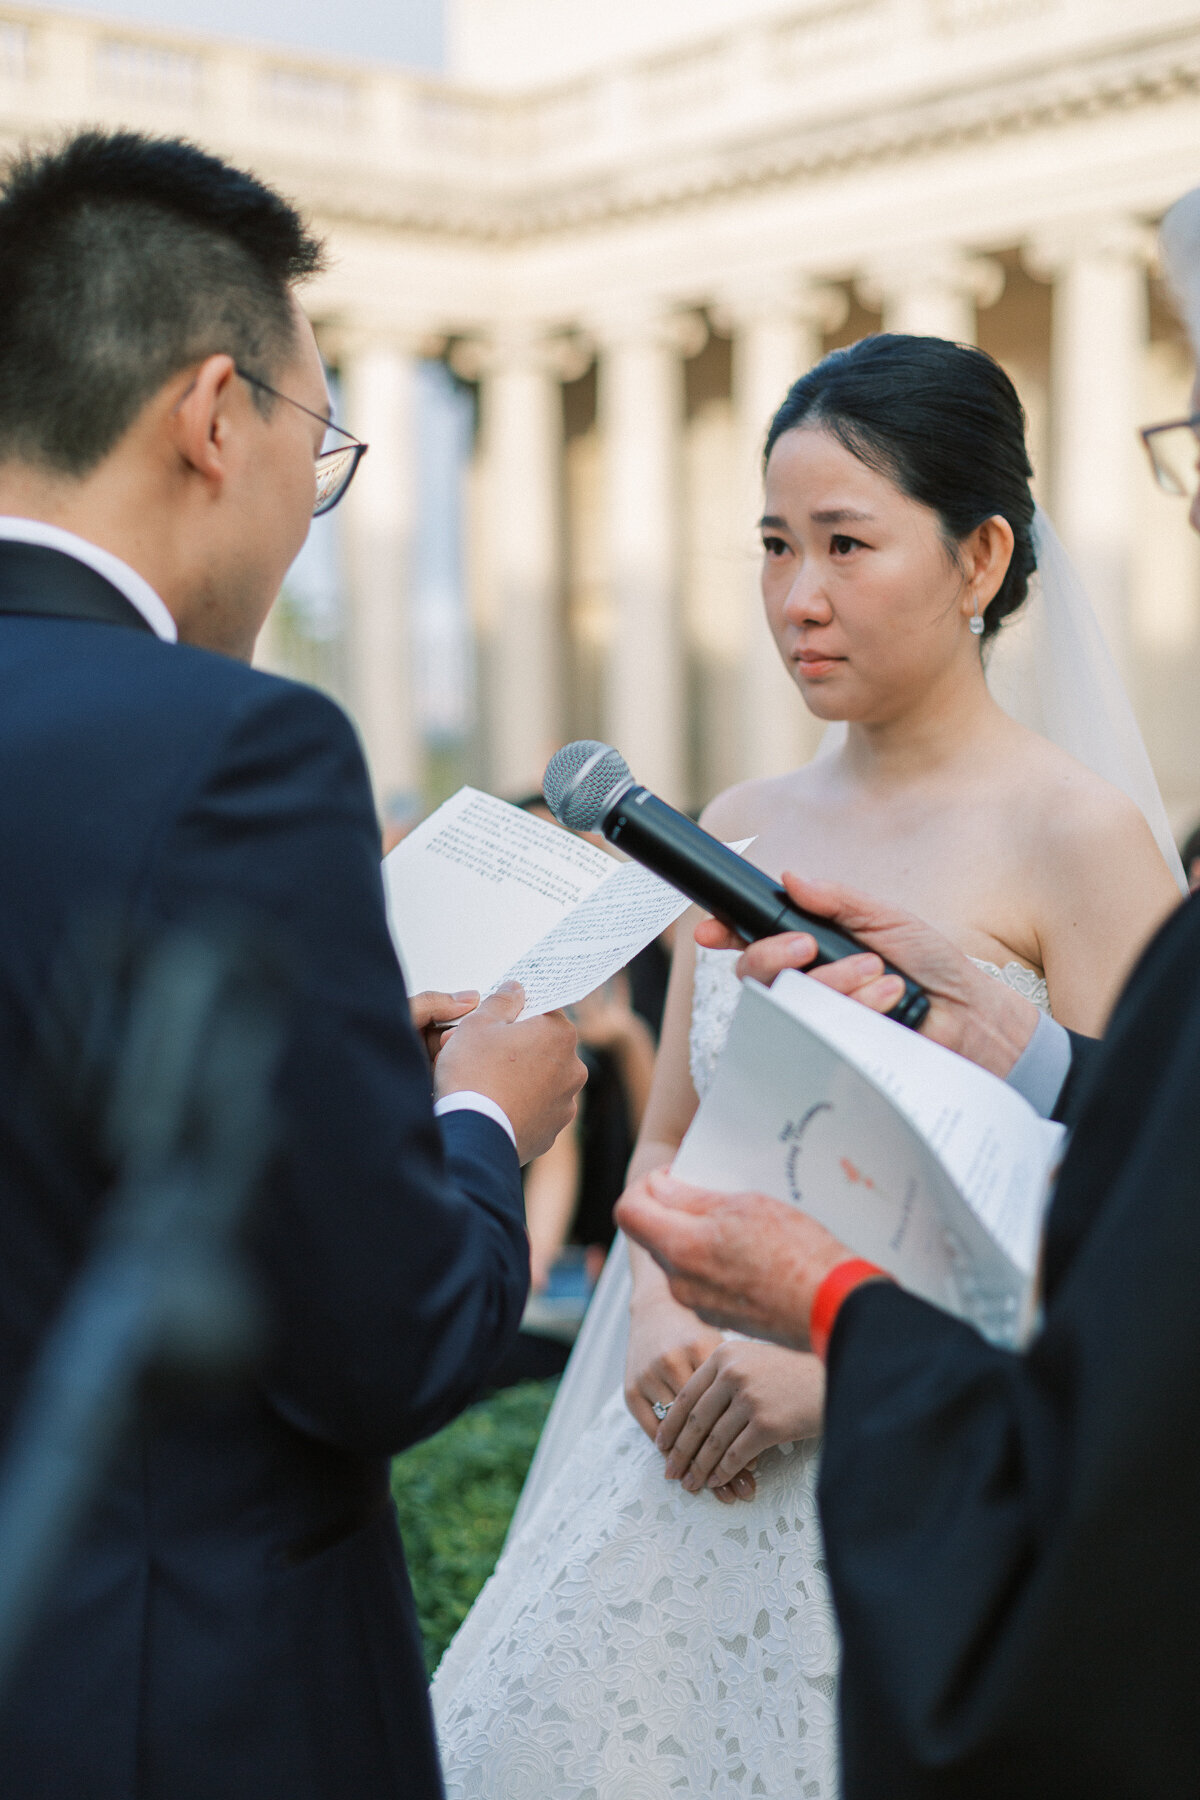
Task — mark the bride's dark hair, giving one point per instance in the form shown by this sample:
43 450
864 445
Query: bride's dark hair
942 421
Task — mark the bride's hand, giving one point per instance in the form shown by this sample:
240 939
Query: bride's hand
744 1399
667 1344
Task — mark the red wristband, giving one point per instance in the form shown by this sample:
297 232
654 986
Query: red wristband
841 1280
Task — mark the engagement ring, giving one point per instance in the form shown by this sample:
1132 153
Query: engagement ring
660 1408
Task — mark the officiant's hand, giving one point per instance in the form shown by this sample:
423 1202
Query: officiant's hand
743 1399
971 1013
744 1262
530 1070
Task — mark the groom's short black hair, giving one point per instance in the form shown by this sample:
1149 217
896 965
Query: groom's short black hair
124 259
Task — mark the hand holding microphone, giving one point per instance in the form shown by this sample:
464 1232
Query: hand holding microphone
588 787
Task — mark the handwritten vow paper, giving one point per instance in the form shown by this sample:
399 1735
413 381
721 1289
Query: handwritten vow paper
918 1160
482 892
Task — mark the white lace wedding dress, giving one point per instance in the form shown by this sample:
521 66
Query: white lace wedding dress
637 1642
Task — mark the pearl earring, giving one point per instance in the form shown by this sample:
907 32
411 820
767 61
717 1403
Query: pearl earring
975 623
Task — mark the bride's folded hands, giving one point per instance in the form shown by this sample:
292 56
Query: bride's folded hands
745 1398
667 1344
725 1402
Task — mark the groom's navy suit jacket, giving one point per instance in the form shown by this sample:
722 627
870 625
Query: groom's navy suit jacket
237 1620
1014 1541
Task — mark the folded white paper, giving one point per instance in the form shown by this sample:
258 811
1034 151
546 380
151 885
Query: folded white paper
482 892
915 1158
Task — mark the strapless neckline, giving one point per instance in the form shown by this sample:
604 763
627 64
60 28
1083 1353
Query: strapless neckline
1020 976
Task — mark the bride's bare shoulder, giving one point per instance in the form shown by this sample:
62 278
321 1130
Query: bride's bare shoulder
1072 818
749 807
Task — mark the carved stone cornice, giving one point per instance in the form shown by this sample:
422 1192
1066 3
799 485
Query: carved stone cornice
342 337
646 320
780 295
1109 237
977 278
1010 107
521 344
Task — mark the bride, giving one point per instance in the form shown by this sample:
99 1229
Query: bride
661 1627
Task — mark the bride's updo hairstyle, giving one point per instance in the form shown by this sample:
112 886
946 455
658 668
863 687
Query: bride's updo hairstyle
943 422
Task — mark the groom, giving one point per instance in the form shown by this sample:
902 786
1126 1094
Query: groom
236 1620
1013 1541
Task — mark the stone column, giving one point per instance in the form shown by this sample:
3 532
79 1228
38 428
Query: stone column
378 381
1098 339
932 291
522 438
777 328
640 410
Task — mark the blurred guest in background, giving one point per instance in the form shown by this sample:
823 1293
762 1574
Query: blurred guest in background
571 1189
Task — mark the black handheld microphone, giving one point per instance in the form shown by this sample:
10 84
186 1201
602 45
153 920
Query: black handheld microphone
588 787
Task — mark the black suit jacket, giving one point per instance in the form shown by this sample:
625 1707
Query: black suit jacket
238 1619
1014 1541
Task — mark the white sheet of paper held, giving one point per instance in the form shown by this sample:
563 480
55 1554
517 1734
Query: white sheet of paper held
620 916
476 884
924 1167
482 892
995 1147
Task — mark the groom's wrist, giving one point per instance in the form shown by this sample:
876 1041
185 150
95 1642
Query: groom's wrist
469 1100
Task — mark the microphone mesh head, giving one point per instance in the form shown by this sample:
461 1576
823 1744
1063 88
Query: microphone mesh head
581 779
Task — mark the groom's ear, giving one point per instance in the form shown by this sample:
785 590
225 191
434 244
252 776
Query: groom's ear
986 553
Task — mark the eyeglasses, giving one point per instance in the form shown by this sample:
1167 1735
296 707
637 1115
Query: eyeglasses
335 468
1174 452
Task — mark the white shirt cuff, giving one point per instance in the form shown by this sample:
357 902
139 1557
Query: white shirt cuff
1042 1067
466 1101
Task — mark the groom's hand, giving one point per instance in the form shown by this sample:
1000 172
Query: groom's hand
433 1012
969 1012
530 1070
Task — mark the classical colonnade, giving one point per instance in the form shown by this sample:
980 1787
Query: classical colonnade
778 325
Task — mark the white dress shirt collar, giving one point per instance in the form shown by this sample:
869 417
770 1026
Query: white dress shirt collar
127 581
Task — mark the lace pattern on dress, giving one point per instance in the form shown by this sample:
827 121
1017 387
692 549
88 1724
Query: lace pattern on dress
637 1642
1016 975
716 991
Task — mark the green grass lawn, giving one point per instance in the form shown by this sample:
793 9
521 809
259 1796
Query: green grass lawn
455 1495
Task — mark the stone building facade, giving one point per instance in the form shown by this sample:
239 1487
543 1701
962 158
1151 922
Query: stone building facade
631 240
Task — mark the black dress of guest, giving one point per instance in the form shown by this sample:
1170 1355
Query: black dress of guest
606 1139
1014 1541
606 1129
